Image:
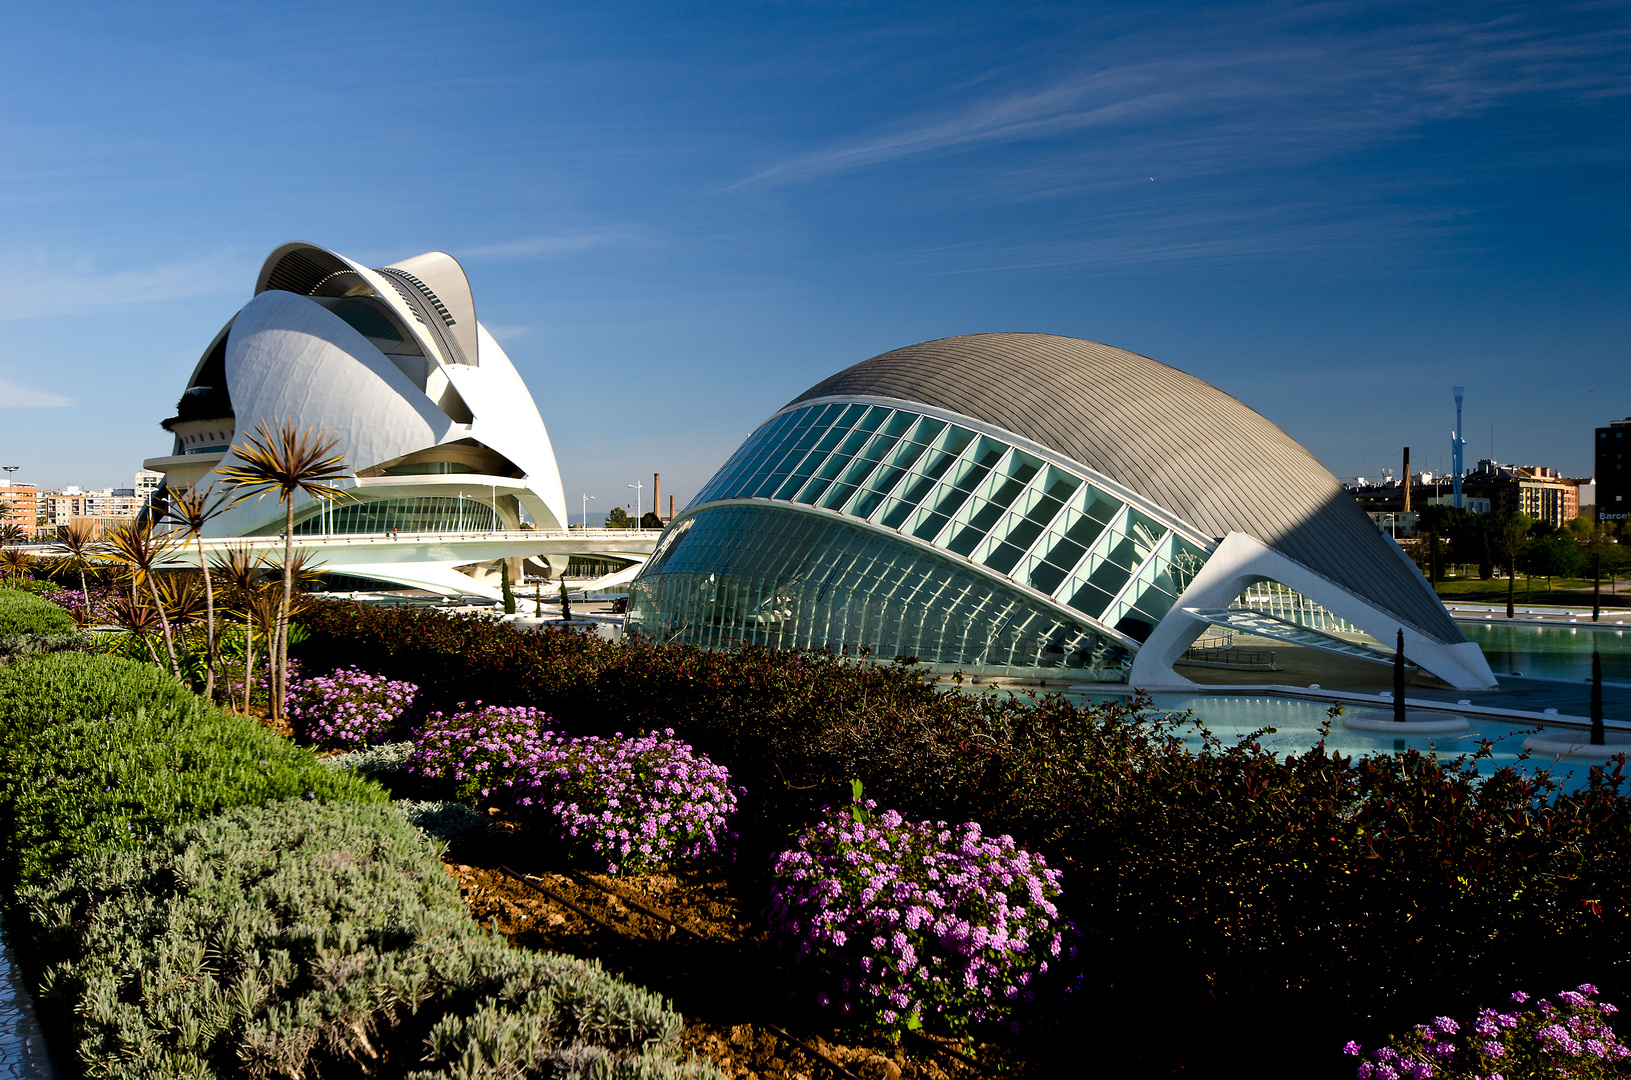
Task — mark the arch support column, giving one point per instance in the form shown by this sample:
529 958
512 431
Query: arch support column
1241 561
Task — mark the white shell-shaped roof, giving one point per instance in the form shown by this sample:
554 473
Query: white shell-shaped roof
287 355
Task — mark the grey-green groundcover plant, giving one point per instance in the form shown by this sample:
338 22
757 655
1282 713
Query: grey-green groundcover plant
300 939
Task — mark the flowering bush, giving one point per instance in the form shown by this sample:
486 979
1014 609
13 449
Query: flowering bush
1568 1035
349 707
475 752
634 802
912 923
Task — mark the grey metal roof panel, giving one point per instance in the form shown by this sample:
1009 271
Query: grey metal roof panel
1175 439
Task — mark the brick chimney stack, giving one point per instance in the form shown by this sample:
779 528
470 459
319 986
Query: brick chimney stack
1407 479
671 508
657 493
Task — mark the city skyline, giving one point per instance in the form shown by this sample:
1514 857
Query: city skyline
681 218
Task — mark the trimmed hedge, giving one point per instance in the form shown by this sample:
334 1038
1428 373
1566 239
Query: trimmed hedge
297 940
58 688
147 755
1225 883
25 613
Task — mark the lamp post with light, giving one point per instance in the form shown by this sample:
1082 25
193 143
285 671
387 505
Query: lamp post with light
638 489
586 499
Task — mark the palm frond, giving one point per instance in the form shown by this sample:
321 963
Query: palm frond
192 508
285 462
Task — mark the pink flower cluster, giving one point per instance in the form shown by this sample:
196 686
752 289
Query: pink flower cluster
349 708
635 802
1568 1035
477 751
916 923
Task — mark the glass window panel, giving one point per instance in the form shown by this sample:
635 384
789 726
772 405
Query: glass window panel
928 525
926 429
833 466
866 503
954 440
837 496
874 417
1003 558
898 423
812 490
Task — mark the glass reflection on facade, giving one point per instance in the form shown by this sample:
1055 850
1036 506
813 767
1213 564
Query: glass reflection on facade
430 514
975 497
785 578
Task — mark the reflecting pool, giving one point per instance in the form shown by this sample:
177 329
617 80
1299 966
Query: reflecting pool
1552 652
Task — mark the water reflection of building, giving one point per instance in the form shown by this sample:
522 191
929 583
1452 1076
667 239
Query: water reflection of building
1021 503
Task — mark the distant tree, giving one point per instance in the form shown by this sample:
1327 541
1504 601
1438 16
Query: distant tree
1507 536
1434 523
619 519
650 520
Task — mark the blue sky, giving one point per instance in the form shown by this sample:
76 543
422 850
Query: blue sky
677 217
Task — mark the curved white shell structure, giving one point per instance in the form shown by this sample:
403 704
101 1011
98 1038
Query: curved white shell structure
429 413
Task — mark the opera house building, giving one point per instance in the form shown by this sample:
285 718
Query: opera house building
1027 504
449 453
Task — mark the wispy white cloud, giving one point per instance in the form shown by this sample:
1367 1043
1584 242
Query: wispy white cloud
508 333
13 396
533 247
1248 95
35 284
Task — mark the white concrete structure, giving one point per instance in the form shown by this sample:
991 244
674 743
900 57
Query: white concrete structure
1032 505
440 430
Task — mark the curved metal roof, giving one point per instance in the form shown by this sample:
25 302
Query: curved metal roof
1175 439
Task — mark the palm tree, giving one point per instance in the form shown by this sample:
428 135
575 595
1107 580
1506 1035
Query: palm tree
75 550
289 463
240 573
139 550
191 509
15 562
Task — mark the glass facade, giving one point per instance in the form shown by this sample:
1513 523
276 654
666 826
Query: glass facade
785 578
972 496
429 514
1284 602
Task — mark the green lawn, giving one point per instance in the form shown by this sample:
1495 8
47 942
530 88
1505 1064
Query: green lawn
1565 592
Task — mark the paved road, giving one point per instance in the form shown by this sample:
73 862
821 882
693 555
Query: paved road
22 1048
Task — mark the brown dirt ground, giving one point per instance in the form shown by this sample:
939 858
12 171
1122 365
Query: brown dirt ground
710 960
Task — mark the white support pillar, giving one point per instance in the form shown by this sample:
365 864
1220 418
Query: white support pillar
1241 561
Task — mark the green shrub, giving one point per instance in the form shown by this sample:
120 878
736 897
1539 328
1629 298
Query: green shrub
24 613
65 686
18 646
297 940
122 759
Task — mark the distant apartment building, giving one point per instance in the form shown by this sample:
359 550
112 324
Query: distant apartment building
19 504
65 504
1536 490
147 482
1613 487
1542 493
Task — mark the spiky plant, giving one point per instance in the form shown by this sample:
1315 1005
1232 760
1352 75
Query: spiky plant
242 575
15 562
139 549
285 462
191 509
74 551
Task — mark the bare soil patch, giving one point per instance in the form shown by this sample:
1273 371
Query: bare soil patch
691 934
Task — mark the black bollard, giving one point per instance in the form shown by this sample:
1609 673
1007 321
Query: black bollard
1398 680
1596 698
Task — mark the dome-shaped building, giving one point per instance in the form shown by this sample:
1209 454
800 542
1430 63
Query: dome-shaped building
1017 503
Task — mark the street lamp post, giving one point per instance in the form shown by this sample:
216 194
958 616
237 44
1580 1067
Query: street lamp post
11 496
586 499
638 488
